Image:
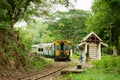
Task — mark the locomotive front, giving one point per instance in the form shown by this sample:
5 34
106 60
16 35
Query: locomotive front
62 50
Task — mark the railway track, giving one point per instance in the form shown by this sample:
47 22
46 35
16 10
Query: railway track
47 73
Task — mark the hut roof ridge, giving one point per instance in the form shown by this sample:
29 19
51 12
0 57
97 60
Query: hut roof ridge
86 37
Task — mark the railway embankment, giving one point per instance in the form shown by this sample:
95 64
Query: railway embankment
54 71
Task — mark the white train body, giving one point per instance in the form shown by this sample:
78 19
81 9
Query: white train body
44 49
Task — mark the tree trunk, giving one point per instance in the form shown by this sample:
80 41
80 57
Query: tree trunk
12 23
117 44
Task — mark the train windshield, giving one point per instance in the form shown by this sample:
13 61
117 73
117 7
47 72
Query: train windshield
57 47
62 47
66 47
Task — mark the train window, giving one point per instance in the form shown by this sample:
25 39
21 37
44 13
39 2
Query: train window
66 47
57 47
40 49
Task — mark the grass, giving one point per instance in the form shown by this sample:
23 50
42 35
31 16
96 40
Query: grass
105 69
74 55
38 63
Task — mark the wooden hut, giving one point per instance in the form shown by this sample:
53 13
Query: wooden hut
91 45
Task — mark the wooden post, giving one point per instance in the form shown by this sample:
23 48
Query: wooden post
84 54
99 51
79 66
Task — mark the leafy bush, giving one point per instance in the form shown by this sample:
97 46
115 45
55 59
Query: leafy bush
38 63
75 55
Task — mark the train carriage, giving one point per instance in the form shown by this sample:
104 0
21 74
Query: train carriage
62 50
44 49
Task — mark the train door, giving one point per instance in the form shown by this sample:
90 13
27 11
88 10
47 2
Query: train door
62 48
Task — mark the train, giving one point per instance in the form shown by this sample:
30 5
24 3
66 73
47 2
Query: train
62 50
59 50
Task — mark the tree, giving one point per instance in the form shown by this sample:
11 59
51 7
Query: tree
13 10
105 19
71 25
35 33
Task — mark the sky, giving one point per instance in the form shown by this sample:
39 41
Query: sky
83 4
78 4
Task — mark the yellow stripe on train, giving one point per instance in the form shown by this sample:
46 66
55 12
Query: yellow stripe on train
67 52
57 53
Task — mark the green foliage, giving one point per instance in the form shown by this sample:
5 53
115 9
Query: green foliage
105 56
71 25
14 10
35 33
38 63
74 55
108 50
105 19
25 39
108 62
